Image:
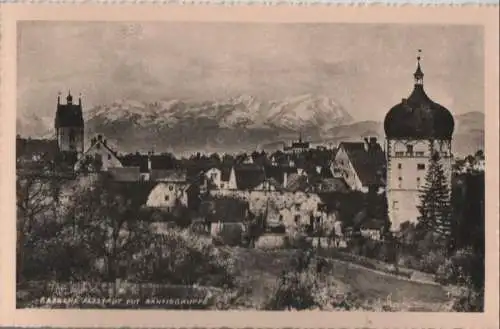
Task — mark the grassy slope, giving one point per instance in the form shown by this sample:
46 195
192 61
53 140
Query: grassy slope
260 270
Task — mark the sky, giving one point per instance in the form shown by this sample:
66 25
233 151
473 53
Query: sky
366 68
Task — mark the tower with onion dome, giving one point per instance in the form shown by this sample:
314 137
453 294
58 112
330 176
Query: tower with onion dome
415 129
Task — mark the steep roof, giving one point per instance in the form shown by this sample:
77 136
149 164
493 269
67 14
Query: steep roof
249 176
369 163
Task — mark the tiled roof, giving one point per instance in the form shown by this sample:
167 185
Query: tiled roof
168 175
125 174
224 209
368 164
333 185
297 182
135 160
278 172
249 176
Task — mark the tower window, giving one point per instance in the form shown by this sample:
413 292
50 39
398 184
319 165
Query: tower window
420 166
400 166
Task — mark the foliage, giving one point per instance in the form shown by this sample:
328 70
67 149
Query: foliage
434 208
182 257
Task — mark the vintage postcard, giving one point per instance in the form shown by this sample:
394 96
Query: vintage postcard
242 166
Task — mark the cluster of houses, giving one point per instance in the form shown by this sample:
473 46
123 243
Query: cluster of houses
287 191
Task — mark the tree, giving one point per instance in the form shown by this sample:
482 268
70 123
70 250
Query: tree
106 220
37 196
435 209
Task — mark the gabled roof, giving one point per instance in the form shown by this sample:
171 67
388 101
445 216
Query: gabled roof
249 176
369 163
104 144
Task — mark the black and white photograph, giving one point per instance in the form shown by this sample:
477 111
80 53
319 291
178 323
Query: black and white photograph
253 166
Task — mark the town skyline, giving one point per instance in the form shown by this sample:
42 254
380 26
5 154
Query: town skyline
161 61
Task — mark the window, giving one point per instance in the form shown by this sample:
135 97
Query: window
409 149
394 205
399 154
400 166
170 188
167 197
419 154
213 176
400 182
98 146
297 218
420 166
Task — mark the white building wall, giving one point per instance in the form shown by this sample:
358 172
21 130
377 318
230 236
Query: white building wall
406 176
165 195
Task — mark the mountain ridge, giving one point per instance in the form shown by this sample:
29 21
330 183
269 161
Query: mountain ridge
236 124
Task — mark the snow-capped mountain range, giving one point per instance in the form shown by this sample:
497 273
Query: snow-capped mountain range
233 125
294 114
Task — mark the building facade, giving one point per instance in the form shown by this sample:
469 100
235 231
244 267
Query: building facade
69 126
415 129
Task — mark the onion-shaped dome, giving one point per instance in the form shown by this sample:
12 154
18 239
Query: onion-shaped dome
418 117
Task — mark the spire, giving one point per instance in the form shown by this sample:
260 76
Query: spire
58 98
69 98
419 75
80 99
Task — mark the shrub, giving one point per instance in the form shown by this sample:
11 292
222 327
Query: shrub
293 291
181 257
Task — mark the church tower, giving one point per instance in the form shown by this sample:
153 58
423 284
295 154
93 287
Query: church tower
415 129
69 125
